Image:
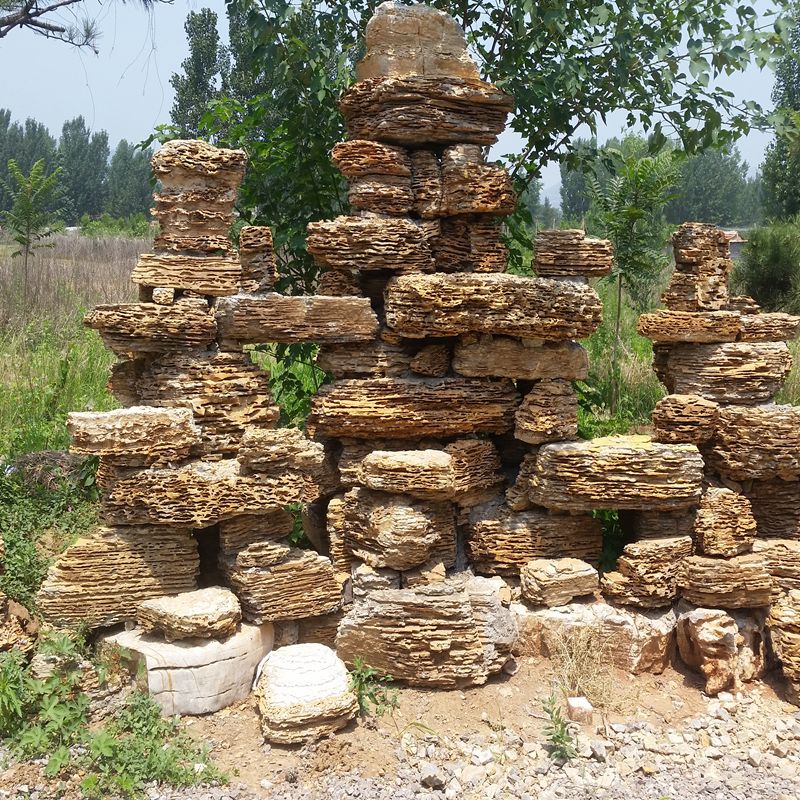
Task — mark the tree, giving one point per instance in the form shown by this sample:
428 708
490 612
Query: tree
711 188
26 144
83 155
34 214
631 208
128 184
575 195
204 72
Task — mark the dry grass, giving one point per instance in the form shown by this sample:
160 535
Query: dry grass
580 662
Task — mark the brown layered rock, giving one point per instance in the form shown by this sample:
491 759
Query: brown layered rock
432 360
377 359
274 581
284 451
152 328
648 572
782 558
102 578
340 555
431 635
685 418
501 542
744 304
658 524
210 274
724 525
268 317
776 507
335 283
18 629
470 186
624 472
136 436
236 533
741 373
523 359
370 243
689 326
761 443
449 305
556 581
468 244
257 258
409 409
739 582
784 628
191 164
518 493
397 532
570 253
195 212
548 413
776 327
211 613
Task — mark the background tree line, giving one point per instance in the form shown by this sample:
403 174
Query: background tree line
93 180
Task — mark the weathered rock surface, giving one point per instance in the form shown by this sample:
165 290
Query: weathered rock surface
238 532
376 359
741 373
470 186
151 328
761 442
724 525
518 493
471 243
432 360
212 273
449 305
548 413
784 628
18 629
192 164
501 542
277 582
636 641
658 524
341 557
625 472
195 212
268 317
571 253
257 258
283 451
104 576
196 676
368 579
774 327
727 648
556 581
134 436
740 582
782 559
431 635
690 326
409 409
523 359
210 613
685 418
303 693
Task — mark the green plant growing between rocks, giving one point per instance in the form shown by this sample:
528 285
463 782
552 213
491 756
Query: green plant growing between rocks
559 739
374 691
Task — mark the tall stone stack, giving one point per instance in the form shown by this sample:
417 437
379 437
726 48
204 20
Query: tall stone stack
723 361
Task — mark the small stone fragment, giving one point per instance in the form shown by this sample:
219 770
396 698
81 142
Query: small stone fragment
555 582
211 613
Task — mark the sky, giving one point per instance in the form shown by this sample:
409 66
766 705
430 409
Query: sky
125 89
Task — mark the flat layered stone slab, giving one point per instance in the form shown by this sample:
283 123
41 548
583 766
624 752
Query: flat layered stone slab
412 409
739 582
282 451
195 212
548 413
759 442
152 328
210 613
269 317
193 164
774 327
449 305
376 359
468 244
556 581
624 472
784 628
690 326
685 419
570 253
236 533
724 525
776 507
471 186
214 275
782 557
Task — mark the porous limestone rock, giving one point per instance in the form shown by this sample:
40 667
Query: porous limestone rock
102 578
470 186
335 283
685 418
739 582
283 450
448 305
410 409
268 317
522 359
471 243
724 525
774 327
658 524
689 326
341 557
277 582
625 472
632 640
396 531
193 164
238 532
760 442
570 253
501 542
319 630
195 212
741 373
303 693
211 274
726 648
432 360
195 676
257 258
151 328
368 579
776 507
361 158
556 581
548 413
744 304
784 628
518 493
18 629
135 436
210 613
377 359
782 558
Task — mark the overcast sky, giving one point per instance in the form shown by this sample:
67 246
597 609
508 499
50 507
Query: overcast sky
125 88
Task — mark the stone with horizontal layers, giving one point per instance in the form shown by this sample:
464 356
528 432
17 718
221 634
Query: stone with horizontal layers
268 317
471 186
556 581
342 559
739 582
658 524
376 359
236 533
518 492
211 274
411 409
102 578
774 327
283 450
303 692
195 212
152 328
361 158
782 558
471 243
501 542
257 258
689 326
449 305
624 472
210 613
137 436
685 418
570 253
192 164
776 507
784 628
724 525
548 413
431 360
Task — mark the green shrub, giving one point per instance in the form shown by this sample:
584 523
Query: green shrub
373 690
559 740
136 226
